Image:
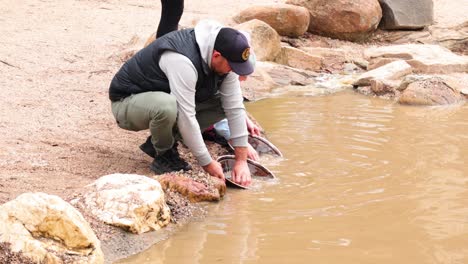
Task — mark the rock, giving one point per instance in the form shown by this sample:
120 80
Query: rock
130 201
258 85
287 20
195 191
351 68
385 87
404 14
454 38
297 58
430 91
390 71
365 90
46 229
269 75
342 19
362 63
456 81
379 62
264 39
408 79
283 75
326 52
333 59
423 58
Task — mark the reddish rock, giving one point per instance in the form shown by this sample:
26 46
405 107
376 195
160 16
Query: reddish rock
431 91
212 189
387 88
287 20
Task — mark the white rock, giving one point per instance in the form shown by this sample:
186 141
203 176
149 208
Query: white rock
391 71
131 201
423 58
46 229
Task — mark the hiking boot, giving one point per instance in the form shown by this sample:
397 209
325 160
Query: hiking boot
169 161
212 135
148 148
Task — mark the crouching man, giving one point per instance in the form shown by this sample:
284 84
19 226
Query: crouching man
184 82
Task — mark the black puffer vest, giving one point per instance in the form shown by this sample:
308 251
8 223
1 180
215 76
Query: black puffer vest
142 73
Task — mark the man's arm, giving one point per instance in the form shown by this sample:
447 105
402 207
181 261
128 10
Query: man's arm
182 77
232 102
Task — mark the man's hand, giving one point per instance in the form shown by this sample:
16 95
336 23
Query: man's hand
252 153
253 129
241 172
214 169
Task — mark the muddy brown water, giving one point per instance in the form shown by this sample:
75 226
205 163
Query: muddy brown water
363 180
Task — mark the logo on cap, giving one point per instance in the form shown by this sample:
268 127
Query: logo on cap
246 54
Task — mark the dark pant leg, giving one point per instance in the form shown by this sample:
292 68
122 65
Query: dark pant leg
209 112
171 12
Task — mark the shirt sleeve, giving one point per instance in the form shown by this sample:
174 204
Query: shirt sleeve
233 105
182 76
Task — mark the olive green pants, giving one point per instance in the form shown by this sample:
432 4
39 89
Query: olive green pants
157 111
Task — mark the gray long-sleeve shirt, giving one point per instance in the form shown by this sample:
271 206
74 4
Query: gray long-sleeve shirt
182 77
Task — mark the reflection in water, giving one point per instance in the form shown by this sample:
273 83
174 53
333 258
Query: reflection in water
363 180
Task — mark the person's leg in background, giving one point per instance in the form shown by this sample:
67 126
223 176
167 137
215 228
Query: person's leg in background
171 12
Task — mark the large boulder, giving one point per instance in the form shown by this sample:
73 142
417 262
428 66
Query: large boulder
342 19
430 91
133 202
287 20
404 14
264 39
423 58
46 229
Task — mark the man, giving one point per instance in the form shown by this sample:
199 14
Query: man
182 83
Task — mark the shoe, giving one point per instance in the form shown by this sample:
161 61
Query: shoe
211 135
148 148
169 161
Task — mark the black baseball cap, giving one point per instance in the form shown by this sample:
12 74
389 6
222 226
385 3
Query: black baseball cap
234 46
